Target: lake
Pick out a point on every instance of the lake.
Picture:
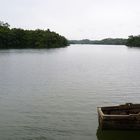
(53, 94)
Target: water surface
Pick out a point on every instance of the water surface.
(52, 94)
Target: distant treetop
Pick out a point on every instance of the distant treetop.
(3, 24)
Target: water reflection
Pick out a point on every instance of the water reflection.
(117, 135)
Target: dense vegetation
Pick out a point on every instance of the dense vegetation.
(133, 41)
(107, 41)
(20, 38)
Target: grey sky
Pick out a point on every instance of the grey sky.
(75, 19)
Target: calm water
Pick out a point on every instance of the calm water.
(53, 94)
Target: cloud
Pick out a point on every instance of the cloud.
(75, 19)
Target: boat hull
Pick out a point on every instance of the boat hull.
(120, 121)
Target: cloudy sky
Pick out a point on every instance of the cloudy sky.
(75, 19)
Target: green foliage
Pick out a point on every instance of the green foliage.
(20, 38)
(133, 41)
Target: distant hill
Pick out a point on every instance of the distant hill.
(107, 41)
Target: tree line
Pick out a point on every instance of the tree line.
(107, 41)
(20, 38)
(133, 41)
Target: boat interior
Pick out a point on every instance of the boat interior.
(126, 109)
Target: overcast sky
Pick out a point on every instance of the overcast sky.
(75, 19)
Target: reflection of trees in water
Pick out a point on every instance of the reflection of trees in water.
(117, 135)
